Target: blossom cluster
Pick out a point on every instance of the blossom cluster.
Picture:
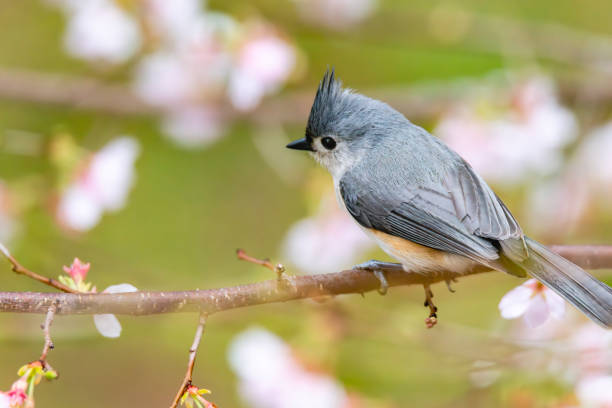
(21, 394)
(96, 183)
(508, 134)
(270, 376)
(566, 347)
(107, 324)
(189, 61)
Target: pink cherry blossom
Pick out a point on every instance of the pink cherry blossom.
(78, 270)
(595, 392)
(17, 395)
(271, 377)
(194, 126)
(592, 164)
(591, 347)
(508, 134)
(170, 20)
(99, 30)
(534, 301)
(263, 63)
(8, 224)
(327, 241)
(102, 186)
(336, 14)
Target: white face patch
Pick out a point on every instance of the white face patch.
(337, 160)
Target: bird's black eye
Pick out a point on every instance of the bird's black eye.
(328, 143)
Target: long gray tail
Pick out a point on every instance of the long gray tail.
(592, 297)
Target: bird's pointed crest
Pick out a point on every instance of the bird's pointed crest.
(328, 92)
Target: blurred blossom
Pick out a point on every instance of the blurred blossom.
(337, 14)
(271, 377)
(557, 206)
(195, 126)
(107, 324)
(326, 242)
(592, 346)
(534, 301)
(194, 61)
(103, 185)
(595, 392)
(484, 373)
(168, 19)
(8, 224)
(100, 30)
(592, 161)
(264, 62)
(217, 60)
(508, 136)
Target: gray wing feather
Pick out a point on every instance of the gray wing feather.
(461, 215)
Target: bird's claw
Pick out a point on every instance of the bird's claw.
(384, 285)
(370, 265)
(376, 268)
(432, 319)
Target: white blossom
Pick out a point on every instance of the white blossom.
(103, 186)
(263, 63)
(100, 30)
(507, 137)
(325, 242)
(336, 14)
(107, 324)
(8, 224)
(595, 392)
(270, 377)
(534, 301)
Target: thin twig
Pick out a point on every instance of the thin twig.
(279, 268)
(21, 270)
(47, 332)
(217, 300)
(192, 356)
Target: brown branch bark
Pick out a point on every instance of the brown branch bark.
(94, 95)
(216, 300)
(192, 356)
(21, 270)
(47, 333)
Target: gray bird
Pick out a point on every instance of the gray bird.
(424, 205)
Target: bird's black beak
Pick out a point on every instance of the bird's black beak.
(301, 144)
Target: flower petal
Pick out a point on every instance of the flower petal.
(595, 391)
(515, 302)
(107, 325)
(4, 400)
(537, 312)
(121, 288)
(556, 304)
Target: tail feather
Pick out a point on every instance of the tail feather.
(587, 293)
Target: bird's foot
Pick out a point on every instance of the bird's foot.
(432, 320)
(377, 267)
(448, 284)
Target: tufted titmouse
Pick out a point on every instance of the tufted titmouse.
(424, 205)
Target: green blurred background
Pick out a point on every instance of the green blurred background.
(190, 210)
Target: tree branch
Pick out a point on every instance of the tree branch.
(192, 356)
(21, 270)
(216, 300)
(47, 332)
